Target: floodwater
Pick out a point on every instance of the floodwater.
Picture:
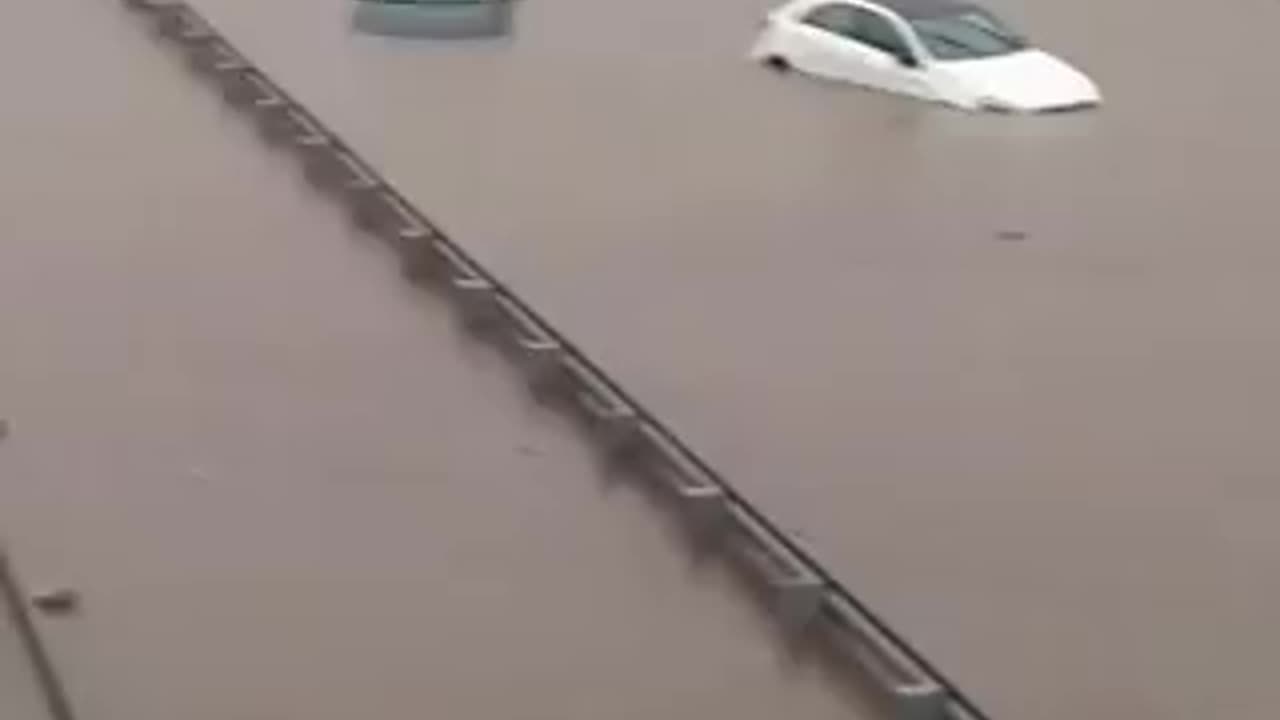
(282, 483)
(19, 694)
(1051, 462)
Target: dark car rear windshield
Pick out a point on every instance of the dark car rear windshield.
(966, 35)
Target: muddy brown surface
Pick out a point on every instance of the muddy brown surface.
(282, 484)
(1014, 378)
(19, 694)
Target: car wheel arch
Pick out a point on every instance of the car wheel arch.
(777, 62)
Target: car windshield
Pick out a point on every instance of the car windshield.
(967, 35)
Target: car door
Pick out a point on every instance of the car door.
(887, 61)
(822, 43)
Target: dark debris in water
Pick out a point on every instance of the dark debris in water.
(56, 601)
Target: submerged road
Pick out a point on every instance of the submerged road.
(283, 484)
(1050, 462)
(19, 692)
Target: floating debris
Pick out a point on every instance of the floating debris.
(1008, 235)
(56, 601)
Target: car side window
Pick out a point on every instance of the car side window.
(838, 18)
(874, 29)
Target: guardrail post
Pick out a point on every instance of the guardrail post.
(614, 424)
(375, 210)
(798, 594)
(239, 84)
(913, 694)
(420, 259)
(920, 701)
(202, 58)
(190, 31)
(703, 503)
(477, 302)
(616, 429)
(280, 122)
(273, 117)
(366, 206)
(541, 360)
(169, 18)
(799, 600)
(706, 508)
(230, 72)
(322, 164)
(198, 41)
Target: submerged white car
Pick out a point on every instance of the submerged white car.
(948, 51)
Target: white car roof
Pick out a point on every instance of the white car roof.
(908, 9)
(926, 8)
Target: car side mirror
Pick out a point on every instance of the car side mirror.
(907, 59)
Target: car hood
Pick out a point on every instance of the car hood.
(1027, 81)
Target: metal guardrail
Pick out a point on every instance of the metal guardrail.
(14, 599)
(805, 594)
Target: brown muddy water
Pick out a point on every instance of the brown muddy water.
(19, 694)
(1050, 462)
(283, 485)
